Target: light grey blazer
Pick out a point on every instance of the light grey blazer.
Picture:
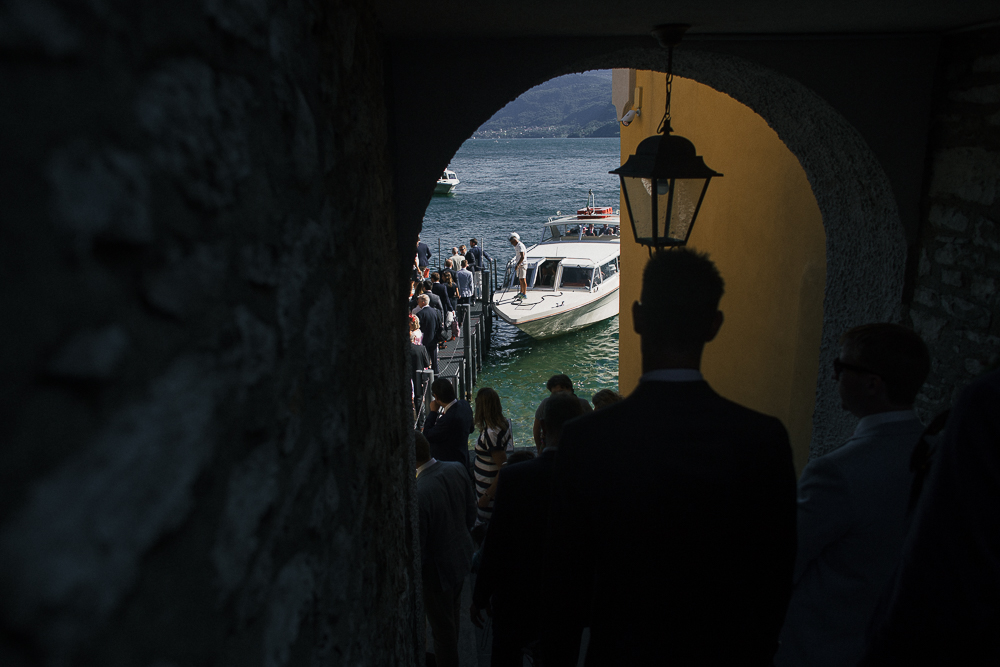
(447, 507)
(852, 521)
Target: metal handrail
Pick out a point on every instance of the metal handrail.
(420, 410)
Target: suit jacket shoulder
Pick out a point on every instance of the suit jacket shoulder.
(446, 504)
(852, 520)
(678, 481)
(515, 539)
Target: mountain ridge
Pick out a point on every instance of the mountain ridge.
(574, 105)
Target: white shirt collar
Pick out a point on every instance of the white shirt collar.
(426, 465)
(445, 408)
(867, 424)
(672, 375)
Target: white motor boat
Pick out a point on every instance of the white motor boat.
(446, 183)
(573, 275)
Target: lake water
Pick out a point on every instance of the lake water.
(514, 185)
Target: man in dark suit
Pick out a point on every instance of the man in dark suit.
(475, 255)
(450, 268)
(672, 530)
(449, 424)
(447, 506)
(417, 360)
(509, 582)
(439, 288)
(430, 327)
(435, 300)
(423, 258)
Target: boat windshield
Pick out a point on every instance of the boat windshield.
(609, 269)
(546, 274)
(577, 276)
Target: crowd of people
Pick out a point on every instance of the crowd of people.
(670, 523)
(594, 230)
(446, 433)
(433, 303)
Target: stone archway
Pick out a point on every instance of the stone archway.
(866, 248)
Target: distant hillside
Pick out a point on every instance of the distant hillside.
(575, 105)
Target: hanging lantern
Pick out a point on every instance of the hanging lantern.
(665, 182)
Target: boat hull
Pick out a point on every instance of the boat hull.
(562, 321)
(444, 188)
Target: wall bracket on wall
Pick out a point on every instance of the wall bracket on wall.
(665, 182)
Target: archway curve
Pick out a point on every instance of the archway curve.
(865, 244)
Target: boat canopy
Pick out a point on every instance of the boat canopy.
(573, 227)
(566, 272)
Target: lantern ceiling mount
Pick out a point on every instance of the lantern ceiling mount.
(665, 181)
(670, 34)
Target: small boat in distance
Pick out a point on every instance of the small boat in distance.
(446, 183)
(573, 275)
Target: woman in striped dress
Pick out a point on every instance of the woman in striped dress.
(495, 441)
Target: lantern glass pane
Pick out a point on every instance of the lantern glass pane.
(676, 207)
(640, 207)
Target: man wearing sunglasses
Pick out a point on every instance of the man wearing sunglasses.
(852, 502)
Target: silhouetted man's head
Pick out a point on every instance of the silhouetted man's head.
(881, 359)
(422, 447)
(559, 382)
(443, 390)
(605, 397)
(559, 409)
(679, 306)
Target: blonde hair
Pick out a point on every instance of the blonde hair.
(489, 412)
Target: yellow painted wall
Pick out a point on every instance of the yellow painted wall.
(761, 226)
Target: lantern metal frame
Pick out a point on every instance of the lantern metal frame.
(660, 161)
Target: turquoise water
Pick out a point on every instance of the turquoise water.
(515, 185)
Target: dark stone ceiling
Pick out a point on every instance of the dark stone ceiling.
(511, 18)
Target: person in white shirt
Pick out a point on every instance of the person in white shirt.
(520, 264)
(456, 258)
(852, 502)
(465, 286)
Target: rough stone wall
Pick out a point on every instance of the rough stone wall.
(955, 302)
(204, 453)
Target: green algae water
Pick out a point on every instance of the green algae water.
(514, 185)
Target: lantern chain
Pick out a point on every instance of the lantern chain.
(664, 127)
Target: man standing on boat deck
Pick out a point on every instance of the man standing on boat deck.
(520, 265)
(672, 524)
